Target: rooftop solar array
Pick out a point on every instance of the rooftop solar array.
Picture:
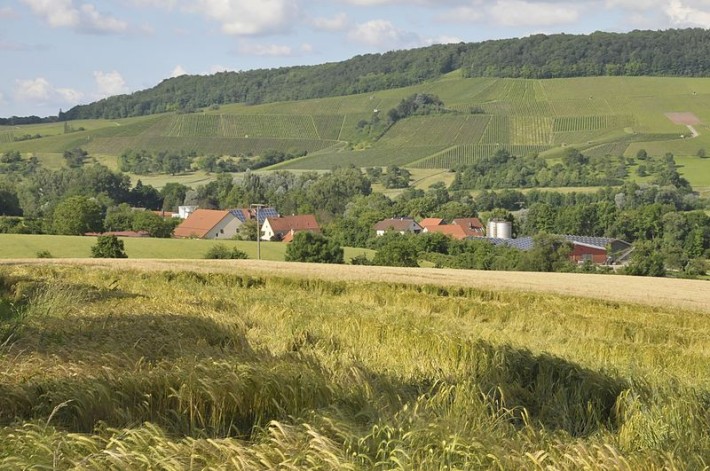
(521, 243)
(267, 213)
(263, 214)
(593, 241)
(239, 214)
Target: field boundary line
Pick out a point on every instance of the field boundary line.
(667, 294)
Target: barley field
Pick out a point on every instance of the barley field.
(201, 365)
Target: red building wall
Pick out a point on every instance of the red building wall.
(582, 252)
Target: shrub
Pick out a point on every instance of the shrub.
(44, 254)
(360, 260)
(397, 251)
(108, 247)
(222, 252)
(314, 248)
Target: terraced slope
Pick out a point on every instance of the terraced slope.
(600, 115)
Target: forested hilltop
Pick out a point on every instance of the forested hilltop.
(683, 52)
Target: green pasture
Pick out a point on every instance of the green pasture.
(27, 246)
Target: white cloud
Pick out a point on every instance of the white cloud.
(250, 17)
(40, 91)
(526, 13)
(274, 50)
(682, 14)
(95, 22)
(56, 13)
(383, 34)
(337, 23)
(84, 18)
(109, 83)
(178, 71)
(442, 40)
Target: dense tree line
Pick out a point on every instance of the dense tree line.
(503, 170)
(143, 162)
(684, 52)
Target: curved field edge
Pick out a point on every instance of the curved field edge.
(180, 369)
(658, 292)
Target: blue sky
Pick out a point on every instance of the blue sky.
(59, 53)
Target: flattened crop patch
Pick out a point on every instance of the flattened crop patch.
(684, 118)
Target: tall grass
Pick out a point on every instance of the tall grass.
(180, 370)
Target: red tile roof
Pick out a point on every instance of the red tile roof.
(199, 223)
(431, 222)
(453, 230)
(473, 226)
(302, 222)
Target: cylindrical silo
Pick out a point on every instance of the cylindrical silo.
(504, 229)
(500, 229)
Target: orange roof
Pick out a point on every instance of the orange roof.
(473, 226)
(453, 230)
(302, 222)
(199, 223)
(431, 222)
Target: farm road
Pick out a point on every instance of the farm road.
(662, 292)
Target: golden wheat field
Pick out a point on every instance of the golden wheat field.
(203, 365)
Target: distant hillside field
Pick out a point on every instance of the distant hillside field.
(599, 115)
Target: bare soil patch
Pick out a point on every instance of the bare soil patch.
(684, 118)
(661, 292)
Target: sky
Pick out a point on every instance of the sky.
(59, 53)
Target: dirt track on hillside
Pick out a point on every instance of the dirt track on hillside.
(688, 294)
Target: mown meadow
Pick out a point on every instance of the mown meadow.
(107, 368)
(59, 246)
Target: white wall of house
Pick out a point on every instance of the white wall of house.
(185, 211)
(266, 231)
(225, 229)
(412, 228)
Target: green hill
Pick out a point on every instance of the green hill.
(599, 115)
(638, 53)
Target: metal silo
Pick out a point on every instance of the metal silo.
(500, 229)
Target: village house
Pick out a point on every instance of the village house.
(219, 224)
(208, 224)
(402, 225)
(459, 229)
(427, 222)
(284, 228)
(473, 227)
(451, 230)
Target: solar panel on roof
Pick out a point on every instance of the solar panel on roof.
(267, 213)
(239, 214)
